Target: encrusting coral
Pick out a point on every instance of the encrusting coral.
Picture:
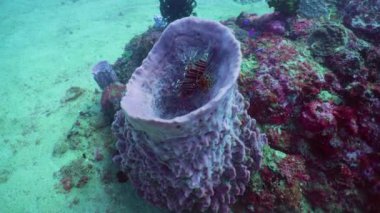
(190, 144)
(363, 17)
(313, 8)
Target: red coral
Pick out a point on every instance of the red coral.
(332, 82)
(292, 197)
(267, 175)
(67, 183)
(293, 168)
(306, 83)
(346, 64)
(369, 130)
(372, 61)
(344, 177)
(280, 139)
(261, 201)
(300, 28)
(346, 117)
(273, 51)
(269, 102)
(354, 93)
(320, 125)
(317, 118)
(317, 197)
(111, 97)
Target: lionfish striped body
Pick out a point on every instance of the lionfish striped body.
(197, 76)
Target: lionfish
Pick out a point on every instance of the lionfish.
(197, 75)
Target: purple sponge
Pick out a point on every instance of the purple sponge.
(184, 136)
(104, 75)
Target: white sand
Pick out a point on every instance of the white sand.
(45, 48)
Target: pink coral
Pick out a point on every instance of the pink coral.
(293, 168)
(111, 97)
(269, 100)
(318, 119)
(347, 118)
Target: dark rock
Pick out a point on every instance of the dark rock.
(326, 39)
(346, 64)
(122, 177)
(363, 17)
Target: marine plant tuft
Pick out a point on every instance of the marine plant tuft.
(172, 10)
(285, 7)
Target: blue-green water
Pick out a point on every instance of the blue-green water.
(309, 76)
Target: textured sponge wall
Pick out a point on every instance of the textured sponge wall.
(198, 161)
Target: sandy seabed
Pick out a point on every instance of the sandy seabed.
(46, 48)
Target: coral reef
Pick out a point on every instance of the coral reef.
(341, 51)
(87, 151)
(315, 92)
(190, 144)
(268, 23)
(326, 39)
(76, 174)
(81, 136)
(314, 88)
(300, 28)
(313, 8)
(172, 10)
(319, 124)
(363, 17)
(106, 78)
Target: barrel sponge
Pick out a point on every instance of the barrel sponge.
(192, 153)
